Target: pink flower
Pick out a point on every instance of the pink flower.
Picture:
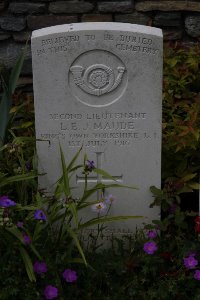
(150, 247)
(110, 199)
(197, 275)
(6, 202)
(70, 275)
(190, 262)
(50, 292)
(99, 208)
(40, 215)
(26, 239)
(152, 234)
(40, 267)
(20, 224)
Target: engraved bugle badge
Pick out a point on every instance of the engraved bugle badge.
(97, 79)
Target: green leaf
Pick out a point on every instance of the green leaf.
(65, 176)
(27, 207)
(76, 261)
(16, 71)
(73, 210)
(6, 101)
(185, 189)
(15, 232)
(172, 62)
(106, 220)
(155, 191)
(22, 139)
(23, 125)
(181, 168)
(77, 243)
(35, 251)
(16, 178)
(28, 264)
(101, 186)
(188, 177)
(104, 173)
(194, 185)
(74, 160)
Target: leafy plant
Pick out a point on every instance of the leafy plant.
(41, 249)
(6, 101)
(48, 228)
(181, 122)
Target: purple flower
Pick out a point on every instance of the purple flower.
(99, 208)
(190, 262)
(40, 267)
(39, 215)
(20, 224)
(110, 199)
(197, 275)
(26, 239)
(70, 275)
(90, 165)
(28, 166)
(50, 292)
(6, 202)
(152, 234)
(150, 247)
(173, 208)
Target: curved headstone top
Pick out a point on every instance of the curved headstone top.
(97, 26)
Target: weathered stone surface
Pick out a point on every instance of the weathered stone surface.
(134, 18)
(116, 6)
(172, 34)
(37, 22)
(22, 36)
(4, 35)
(70, 7)
(26, 8)
(10, 51)
(167, 19)
(2, 5)
(98, 85)
(192, 25)
(96, 18)
(166, 5)
(36, 1)
(12, 23)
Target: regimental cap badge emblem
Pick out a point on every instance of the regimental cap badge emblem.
(97, 79)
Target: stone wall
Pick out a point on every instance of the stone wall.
(180, 20)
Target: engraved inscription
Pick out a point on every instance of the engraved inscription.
(60, 40)
(90, 37)
(94, 130)
(132, 43)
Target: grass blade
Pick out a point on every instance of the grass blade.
(5, 181)
(77, 243)
(65, 176)
(6, 101)
(104, 174)
(28, 264)
(69, 167)
(106, 220)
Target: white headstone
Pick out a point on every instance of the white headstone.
(99, 85)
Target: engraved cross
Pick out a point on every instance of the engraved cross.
(99, 178)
